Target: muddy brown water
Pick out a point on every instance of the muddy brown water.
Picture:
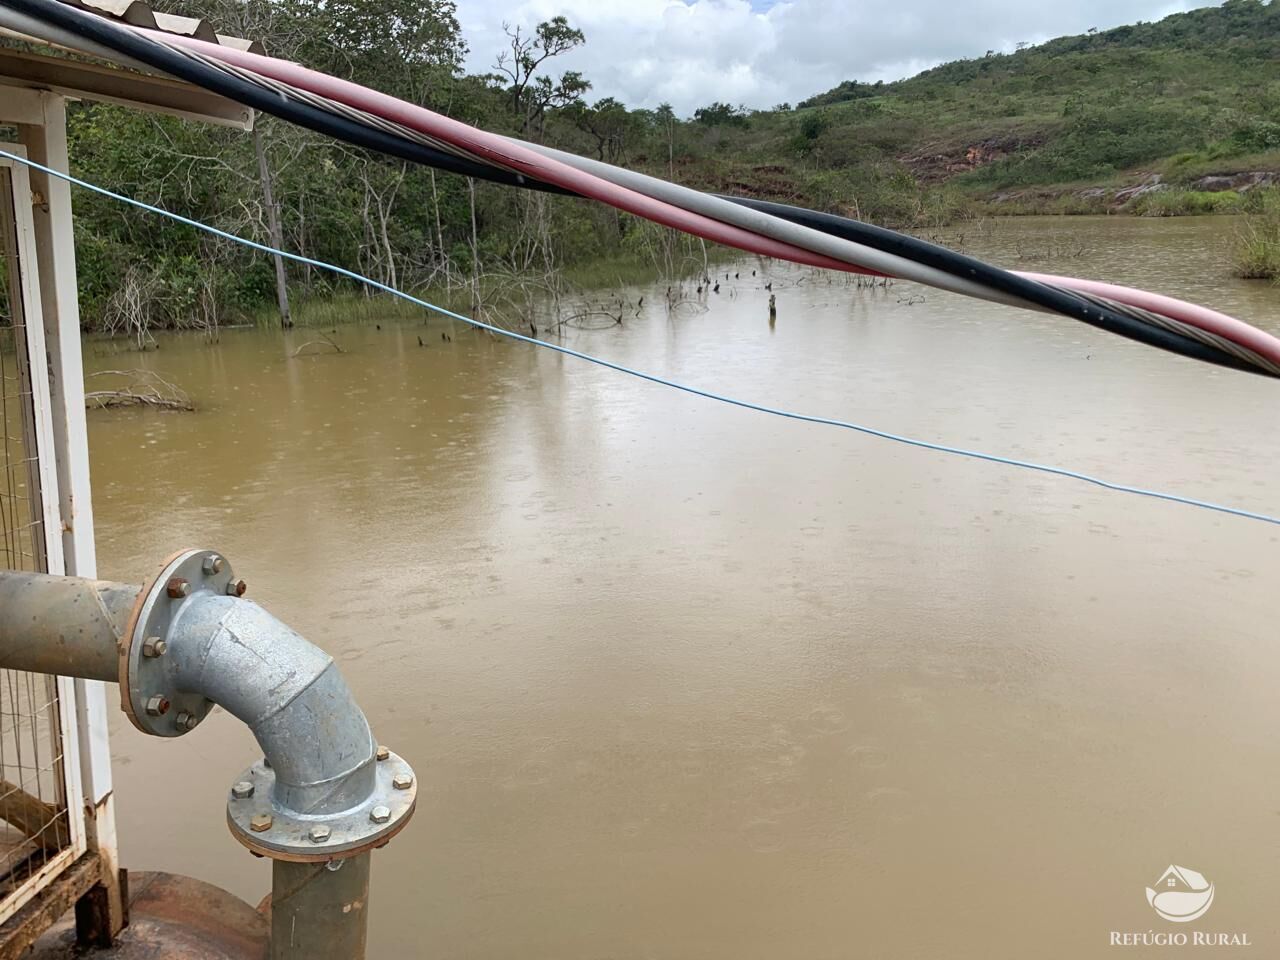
(683, 680)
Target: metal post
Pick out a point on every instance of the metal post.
(320, 911)
(44, 134)
(54, 721)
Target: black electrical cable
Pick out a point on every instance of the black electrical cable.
(175, 63)
(1053, 298)
(160, 57)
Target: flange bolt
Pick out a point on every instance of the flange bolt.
(236, 588)
(402, 781)
(382, 753)
(211, 566)
(261, 823)
(154, 647)
(242, 790)
(380, 814)
(319, 833)
(178, 588)
(157, 706)
(186, 721)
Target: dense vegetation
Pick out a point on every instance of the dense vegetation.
(1194, 95)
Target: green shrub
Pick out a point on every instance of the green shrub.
(1186, 203)
(1255, 252)
(1256, 136)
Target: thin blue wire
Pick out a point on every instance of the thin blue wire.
(653, 378)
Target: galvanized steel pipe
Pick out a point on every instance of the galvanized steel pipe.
(63, 625)
(224, 648)
(319, 909)
(325, 794)
(287, 691)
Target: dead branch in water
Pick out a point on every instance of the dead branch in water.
(143, 388)
(322, 342)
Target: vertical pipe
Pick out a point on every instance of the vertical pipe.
(320, 913)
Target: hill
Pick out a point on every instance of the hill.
(1193, 96)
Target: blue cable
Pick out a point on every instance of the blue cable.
(652, 378)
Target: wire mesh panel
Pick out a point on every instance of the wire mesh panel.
(35, 827)
(33, 803)
(21, 526)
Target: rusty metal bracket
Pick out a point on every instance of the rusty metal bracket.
(22, 929)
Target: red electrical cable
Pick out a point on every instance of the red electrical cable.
(511, 155)
(503, 152)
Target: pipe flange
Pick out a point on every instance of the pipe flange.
(148, 690)
(271, 831)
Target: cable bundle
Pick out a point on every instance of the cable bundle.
(366, 118)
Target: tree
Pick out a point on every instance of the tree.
(721, 115)
(533, 95)
(609, 123)
(408, 48)
(668, 124)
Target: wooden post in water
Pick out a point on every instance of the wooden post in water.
(273, 229)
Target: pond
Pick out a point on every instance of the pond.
(685, 680)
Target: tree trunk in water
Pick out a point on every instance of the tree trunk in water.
(273, 229)
(444, 258)
(475, 254)
(302, 242)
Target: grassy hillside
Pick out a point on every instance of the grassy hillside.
(1173, 102)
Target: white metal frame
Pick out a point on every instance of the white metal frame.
(33, 96)
(46, 452)
(46, 143)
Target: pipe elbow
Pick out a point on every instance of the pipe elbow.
(185, 641)
(289, 693)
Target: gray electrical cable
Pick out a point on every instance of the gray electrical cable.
(30, 27)
(778, 229)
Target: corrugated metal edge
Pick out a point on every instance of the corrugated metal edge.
(139, 14)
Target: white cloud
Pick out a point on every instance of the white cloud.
(692, 53)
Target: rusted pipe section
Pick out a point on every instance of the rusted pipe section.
(63, 625)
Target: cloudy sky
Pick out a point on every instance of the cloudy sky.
(764, 52)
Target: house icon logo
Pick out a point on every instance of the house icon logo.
(1181, 895)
